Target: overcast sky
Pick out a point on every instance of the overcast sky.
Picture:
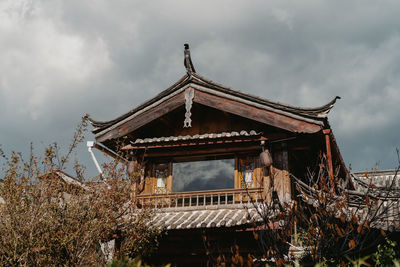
(62, 59)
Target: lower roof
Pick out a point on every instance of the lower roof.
(228, 216)
(383, 213)
(209, 137)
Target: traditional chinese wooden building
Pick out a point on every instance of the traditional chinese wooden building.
(208, 153)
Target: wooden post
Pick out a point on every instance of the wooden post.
(327, 133)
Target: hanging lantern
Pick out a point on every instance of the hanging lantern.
(265, 158)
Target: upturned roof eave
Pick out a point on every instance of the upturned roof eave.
(101, 125)
(317, 112)
(317, 116)
(313, 115)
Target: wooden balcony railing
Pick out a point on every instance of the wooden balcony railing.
(202, 198)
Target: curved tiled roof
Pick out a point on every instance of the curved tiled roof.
(195, 137)
(386, 180)
(205, 218)
(317, 113)
(382, 213)
(193, 78)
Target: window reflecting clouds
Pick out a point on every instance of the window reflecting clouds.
(203, 175)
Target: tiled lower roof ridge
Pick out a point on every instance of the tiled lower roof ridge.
(196, 137)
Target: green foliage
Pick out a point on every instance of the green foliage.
(386, 253)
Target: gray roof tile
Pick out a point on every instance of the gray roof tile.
(204, 218)
(194, 137)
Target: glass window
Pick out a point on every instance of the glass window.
(203, 175)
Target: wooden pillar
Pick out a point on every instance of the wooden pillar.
(327, 133)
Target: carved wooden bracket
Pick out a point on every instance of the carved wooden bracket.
(189, 95)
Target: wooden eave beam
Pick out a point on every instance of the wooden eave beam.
(254, 113)
(336, 150)
(105, 151)
(204, 150)
(218, 102)
(144, 118)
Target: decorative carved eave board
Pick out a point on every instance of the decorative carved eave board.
(192, 93)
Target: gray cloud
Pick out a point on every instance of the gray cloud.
(62, 59)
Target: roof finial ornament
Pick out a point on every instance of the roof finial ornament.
(188, 61)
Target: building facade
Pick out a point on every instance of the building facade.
(210, 156)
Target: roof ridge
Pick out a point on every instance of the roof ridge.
(193, 77)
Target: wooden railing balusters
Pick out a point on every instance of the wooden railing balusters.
(199, 198)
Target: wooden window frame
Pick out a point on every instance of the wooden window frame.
(256, 171)
(167, 169)
(247, 158)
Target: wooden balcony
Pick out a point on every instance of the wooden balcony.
(205, 199)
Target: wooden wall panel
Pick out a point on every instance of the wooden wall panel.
(151, 181)
(237, 173)
(257, 173)
(148, 183)
(267, 185)
(204, 120)
(257, 114)
(169, 179)
(280, 173)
